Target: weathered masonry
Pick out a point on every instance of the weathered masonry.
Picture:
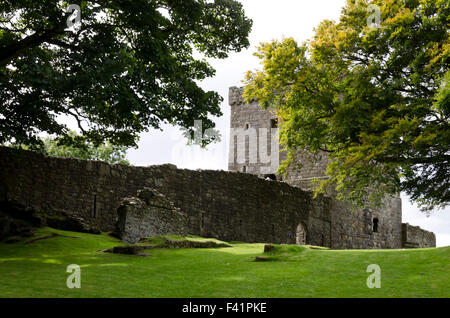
(226, 205)
(350, 227)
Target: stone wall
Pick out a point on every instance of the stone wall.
(251, 130)
(415, 237)
(353, 228)
(225, 205)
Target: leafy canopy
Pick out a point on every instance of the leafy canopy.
(376, 100)
(131, 65)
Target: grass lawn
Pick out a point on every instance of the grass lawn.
(38, 269)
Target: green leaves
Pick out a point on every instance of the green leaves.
(129, 68)
(375, 99)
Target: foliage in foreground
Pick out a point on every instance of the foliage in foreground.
(128, 65)
(38, 269)
(375, 99)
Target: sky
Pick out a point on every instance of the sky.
(272, 19)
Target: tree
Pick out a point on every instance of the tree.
(104, 152)
(130, 65)
(375, 99)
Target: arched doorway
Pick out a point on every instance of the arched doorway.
(300, 237)
(375, 225)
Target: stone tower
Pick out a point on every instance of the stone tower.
(254, 135)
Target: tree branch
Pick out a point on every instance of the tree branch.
(11, 51)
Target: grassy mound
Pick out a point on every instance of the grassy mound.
(37, 268)
(167, 241)
(177, 241)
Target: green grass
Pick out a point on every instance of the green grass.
(160, 241)
(38, 269)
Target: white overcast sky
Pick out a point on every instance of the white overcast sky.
(272, 19)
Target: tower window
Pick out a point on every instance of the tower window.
(247, 126)
(244, 169)
(274, 123)
(375, 225)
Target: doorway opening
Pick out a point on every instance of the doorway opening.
(300, 234)
(375, 225)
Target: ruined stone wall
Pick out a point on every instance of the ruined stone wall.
(225, 205)
(415, 237)
(249, 119)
